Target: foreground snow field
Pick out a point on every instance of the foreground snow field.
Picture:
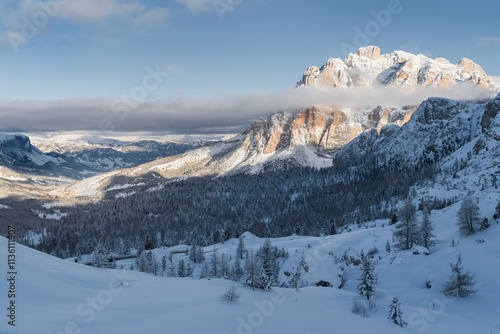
(58, 296)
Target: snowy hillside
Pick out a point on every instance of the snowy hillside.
(113, 301)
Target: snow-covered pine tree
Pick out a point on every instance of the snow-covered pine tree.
(333, 227)
(149, 262)
(388, 246)
(497, 212)
(426, 228)
(240, 250)
(189, 270)
(215, 270)
(366, 286)
(296, 278)
(395, 314)
(394, 219)
(163, 265)
(224, 266)
(461, 282)
(181, 269)
(253, 271)
(140, 262)
(237, 271)
(204, 271)
(406, 231)
(468, 217)
(267, 260)
(171, 272)
(192, 251)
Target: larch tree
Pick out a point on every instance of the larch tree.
(426, 229)
(468, 217)
(240, 250)
(406, 231)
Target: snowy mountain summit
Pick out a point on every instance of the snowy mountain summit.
(369, 68)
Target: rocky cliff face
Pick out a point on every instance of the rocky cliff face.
(369, 68)
(324, 128)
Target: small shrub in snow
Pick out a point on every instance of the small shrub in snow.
(372, 252)
(363, 308)
(485, 224)
(359, 307)
(231, 295)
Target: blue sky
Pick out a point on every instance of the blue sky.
(102, 48)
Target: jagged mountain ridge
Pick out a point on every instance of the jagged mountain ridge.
(369, 68)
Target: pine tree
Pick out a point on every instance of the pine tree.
(253, 271)
(395, 314)
(237, 272)
(204, 271)
(215, 270)
(189, 270)
(497, 212)
(140, 262)
(394, 219)
(367, 279)
(181, 270)
(388, 246)
(224, 266)
(461, 282)
(267, 260)
(295, 281)
(406, 231)
(240, 250)
(426, 228)
(163, 264)
(333, 227)
(192, 251)
(468, 217)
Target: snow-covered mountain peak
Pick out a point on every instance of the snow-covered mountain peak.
(17, 150)
(368, 67)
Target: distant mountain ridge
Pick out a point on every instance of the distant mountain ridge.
(17, 150)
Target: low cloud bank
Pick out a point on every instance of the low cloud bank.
(228, 114)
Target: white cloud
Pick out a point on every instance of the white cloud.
(496, 80)
(217, 115)
(196, 6)
(14, 14)
(488, 40)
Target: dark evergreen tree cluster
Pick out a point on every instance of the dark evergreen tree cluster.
(204, 211)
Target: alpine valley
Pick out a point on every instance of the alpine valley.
(308, 200)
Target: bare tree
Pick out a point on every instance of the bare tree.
(468, 217)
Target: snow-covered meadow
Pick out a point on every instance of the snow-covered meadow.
(60, 296)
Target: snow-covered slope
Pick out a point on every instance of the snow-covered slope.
(369, 68)
(463, 138)
(57, 296)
